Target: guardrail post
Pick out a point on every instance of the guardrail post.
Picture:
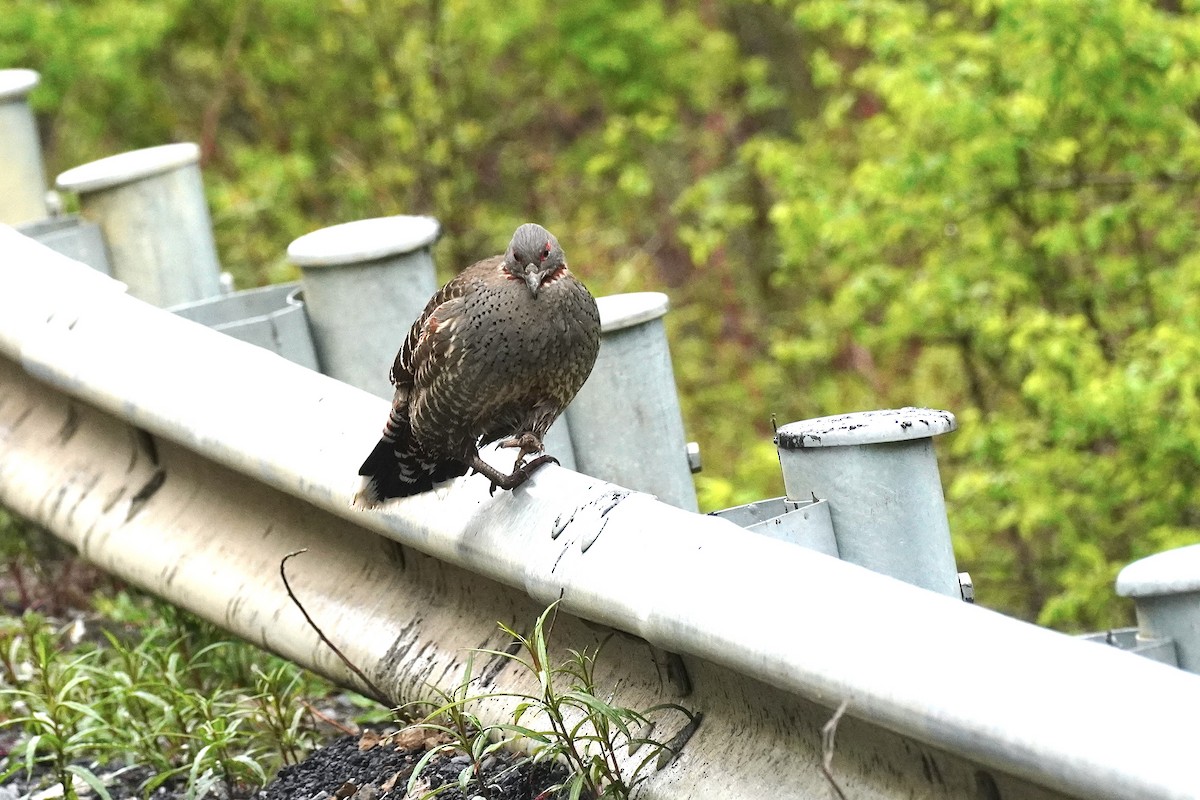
(878, 471)
(626, 425)
(150, 206)
(1166, 590)
(271, 317)
(22, 179)
(365, 282)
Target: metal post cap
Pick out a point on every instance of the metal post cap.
(1172, 572)
(364, 240)
(865, 427)
(128, 167)
(619, 311)
(16, 83)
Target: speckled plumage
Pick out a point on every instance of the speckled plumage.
(499, 352)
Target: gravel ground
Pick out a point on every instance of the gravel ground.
(367, 767)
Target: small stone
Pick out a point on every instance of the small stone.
(397, 777)
(368, 792)
(410, 738)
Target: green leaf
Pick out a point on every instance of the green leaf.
(90, 778)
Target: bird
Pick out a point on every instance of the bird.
(496, 355)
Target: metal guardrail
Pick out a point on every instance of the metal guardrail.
(177, 519)
(189, 463)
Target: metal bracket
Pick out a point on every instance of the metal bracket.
(803, 522)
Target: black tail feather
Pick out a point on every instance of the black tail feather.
(396, 470)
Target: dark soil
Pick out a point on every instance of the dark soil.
(381, 771)
(122, 783)
(351, 768)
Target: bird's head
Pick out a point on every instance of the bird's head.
(535, 257)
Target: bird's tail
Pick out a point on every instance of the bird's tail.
(398, 468)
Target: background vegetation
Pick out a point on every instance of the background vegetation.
(987, 206)
(107, 693)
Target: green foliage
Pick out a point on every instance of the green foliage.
(462, 732)
(566, 722)
(986, 206)
(53, 701)
(189, 706)
(989, 206)
(584, 730)
(335, 111)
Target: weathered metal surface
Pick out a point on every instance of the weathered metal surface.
(365, 282)
(72, 236)
(210, 539)
(151, 208)
(271, 317)
(879, 473)
(1166, 589)
(22, 179)
(803, 522)
(945, 699)
(1129, 640)
(625, 422)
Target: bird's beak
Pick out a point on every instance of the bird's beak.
(534, 281)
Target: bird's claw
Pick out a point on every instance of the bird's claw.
(526, 441)
(528, 444)
(521, 473)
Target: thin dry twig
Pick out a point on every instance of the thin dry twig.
(375, 690)
(828, 735)
(330, 721)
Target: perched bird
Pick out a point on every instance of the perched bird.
(498, 353)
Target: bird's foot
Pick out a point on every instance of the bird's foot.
(509, 482)
(529, 444)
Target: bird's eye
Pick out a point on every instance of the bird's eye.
(545, 251)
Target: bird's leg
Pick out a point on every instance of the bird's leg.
(529, 444)
(519, 475)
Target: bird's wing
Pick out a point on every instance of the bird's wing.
(412, 355)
